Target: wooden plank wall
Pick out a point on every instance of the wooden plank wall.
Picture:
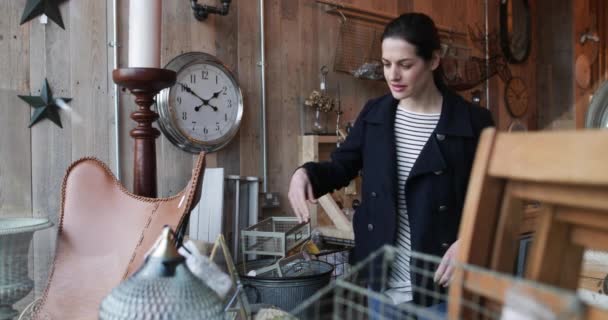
(77, 62)
(523, 70)
(300, 38)
(15, 170)
(588, 16)
(457, 17)
(563, 103)
(553, 70)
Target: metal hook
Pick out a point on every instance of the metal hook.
(324, 72)
(201, 12)
(336, 8)
(341, 14)
(589, 36)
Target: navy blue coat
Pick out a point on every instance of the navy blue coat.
(435, 189)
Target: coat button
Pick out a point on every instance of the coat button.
(443, 208)
(438, 172)
(445, 245)
(373, 194)
(370, 227)
(440, 137)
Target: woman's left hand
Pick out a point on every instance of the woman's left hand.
(444, 272)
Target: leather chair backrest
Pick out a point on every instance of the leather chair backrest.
(104, 234)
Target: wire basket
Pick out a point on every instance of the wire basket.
(274, 236)
(337, 253)
(486, 294)
(358, 49)
(338, 259)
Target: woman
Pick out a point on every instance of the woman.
(415, 148)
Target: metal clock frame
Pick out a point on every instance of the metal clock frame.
(166, 119)
(505, 40)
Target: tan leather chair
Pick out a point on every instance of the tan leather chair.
(103, 235)
(566, 172)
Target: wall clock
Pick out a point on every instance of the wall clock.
(516, 96)
(515, 29)
(203, 110)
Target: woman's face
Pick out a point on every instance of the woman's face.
(406, 74)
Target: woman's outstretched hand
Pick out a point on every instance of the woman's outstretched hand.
(300, 192)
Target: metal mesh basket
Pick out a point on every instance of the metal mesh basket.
(359, 48)
(274, 236)
(338, 259)
(486, 294)
(336, 252)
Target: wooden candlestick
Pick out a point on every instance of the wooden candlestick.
(144, 84)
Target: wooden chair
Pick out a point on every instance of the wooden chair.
(568, 173)
(103, 236)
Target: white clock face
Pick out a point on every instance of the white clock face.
(204, 103)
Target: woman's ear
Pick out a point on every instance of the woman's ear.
(435, 60)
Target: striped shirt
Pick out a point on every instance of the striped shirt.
(412, 131)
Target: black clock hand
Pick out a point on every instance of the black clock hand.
(214, 107)
(185, 87)
(205, 103)
(215, 95)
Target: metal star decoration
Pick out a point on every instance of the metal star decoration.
(44, 105)
(50, 8)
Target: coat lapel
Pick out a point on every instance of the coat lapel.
(382, 118)
(430, 159)
(453, 121)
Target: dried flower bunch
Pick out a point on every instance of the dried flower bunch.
(320, 101)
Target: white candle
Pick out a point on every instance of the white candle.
(144, 33)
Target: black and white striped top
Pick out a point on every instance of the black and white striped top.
(412, 131)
